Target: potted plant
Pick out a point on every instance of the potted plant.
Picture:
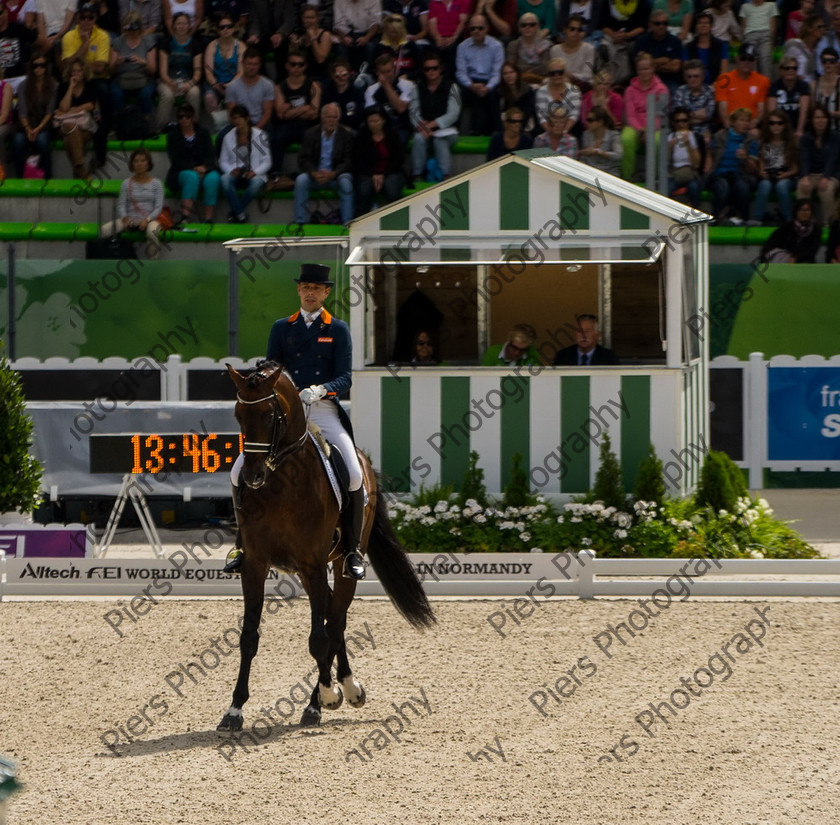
(20, 473)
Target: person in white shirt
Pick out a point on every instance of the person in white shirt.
(245, 161)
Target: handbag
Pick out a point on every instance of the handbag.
(70, 121)
(165, 219)
(32, 168)
(132, 80)
(683, 174)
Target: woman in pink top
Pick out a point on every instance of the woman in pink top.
(602, 95)
(641, 87)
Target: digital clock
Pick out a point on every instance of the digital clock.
(164, 452)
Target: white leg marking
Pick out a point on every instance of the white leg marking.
(330, 696)
(354, 691)
(232, 711)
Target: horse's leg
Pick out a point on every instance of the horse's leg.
(325, 694)
(342, 598)
(253, 592)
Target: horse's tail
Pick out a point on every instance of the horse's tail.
(394, 570)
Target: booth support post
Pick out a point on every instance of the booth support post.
(233, 303)
(10, 328)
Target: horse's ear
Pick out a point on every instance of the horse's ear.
(237, 379)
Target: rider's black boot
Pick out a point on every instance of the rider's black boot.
(354, 567)
(236, 554)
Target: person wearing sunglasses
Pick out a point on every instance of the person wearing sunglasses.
(742, 88)
(517, 350)
(778, 166)
(579, 55)
(791, 95)
(313, 41)
(222, 63)
(712, 52)
(529, 52)
(803, 49)
(512, 137)
(395, 42)
(556, 137)
(557, 91)
(665, 49)
(825, 90)
(36, 104)
(601, 143)
(424, 351)
(478, 61)
(684, 158)
(297, 105)
(697, 98)
(680, 15)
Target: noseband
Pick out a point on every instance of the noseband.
(274, 453)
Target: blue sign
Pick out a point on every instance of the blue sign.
(803, 414)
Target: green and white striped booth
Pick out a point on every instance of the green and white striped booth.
(530, 237)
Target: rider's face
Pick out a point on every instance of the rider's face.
(312, 296)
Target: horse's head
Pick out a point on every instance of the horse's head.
(271, 417)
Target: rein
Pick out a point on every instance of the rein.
(274, 454)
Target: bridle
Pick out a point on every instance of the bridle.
(274, 453)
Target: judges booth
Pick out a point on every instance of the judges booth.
(538, 239)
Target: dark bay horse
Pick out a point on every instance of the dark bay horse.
(288, 520)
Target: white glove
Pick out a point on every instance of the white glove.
(312, 394)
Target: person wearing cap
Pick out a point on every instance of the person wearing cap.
(315, 349)
(742, 88)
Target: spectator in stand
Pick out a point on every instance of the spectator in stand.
(514, 91)
(791, 95)
(53, 20)
(270, 23)
(350, 98)
(589, 12)
(665, 49)
(742, 88)
(796, 241)
(558, 91)
(36, 104)
(601, 143)
(356, 26)
(133, 68)
(192, 165)
(297, 104)
(697, 98)
(602, 95)
(236, 10)
(819, 155)
(778, 165)
(680, 14)
(588, 350)
(378, 163)
(139, 203)
(23, 12)
(92, 45)
(416, 16)
(831, 37)
(501, 17)
(434, 112)
(795, 18)
(724, 25)
(518, 349)
(326, 159)
(425, 352)
(180, 68)
(622, 23)
(395, 42)
(252, 90)
(194, 9)
(447, 21)
(245, 160)
(803, 50)
(149, 11)
(529, 52)
(393, 94)
(512, 138)
(759, 19)
(479, 61)
(825, 90)
(581, 59)
(6, 98)
(712, 52)
(641, 87)
(222, 63)
(556, 137)
(732, 170)
(74, 114)
(684, 157)
(313, 41)
(546, 12)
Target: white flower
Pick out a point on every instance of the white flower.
(479, 518)
(586, 542)
(576, 519)
(454, 531)
(442, 506)
(536, 550)
(756, 554)
(426, 521)
(620, 534)
(525, 536)
(472, 504)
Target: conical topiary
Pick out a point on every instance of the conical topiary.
(609, 482)
(650, 485)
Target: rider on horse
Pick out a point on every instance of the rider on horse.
(316, 350)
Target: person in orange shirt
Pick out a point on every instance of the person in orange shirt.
(742, 88)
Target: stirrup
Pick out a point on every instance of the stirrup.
(233, 561)
(353, 567)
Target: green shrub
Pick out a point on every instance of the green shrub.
(20, 473)
(518, 492)
(650, 486)
(715, 489)
(609, 483)
(473, 485)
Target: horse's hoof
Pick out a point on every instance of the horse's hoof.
(359, 701)
(230, 722)
(331, 698)
(311, 718)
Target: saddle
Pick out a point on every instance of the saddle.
(334, 465)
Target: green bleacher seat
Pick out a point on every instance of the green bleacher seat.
(22, 187)
(15, 230)
(87, 231)
(220, 232)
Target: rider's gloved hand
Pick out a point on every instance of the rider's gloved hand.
(310, 395)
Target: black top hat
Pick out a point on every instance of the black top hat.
(314, 274)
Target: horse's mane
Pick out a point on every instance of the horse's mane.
(264, 371)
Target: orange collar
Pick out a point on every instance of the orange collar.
(325, 316)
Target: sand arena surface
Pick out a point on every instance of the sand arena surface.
(758, 747)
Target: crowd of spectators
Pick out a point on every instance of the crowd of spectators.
(376, 92)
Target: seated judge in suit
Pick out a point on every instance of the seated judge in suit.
(587, 351)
